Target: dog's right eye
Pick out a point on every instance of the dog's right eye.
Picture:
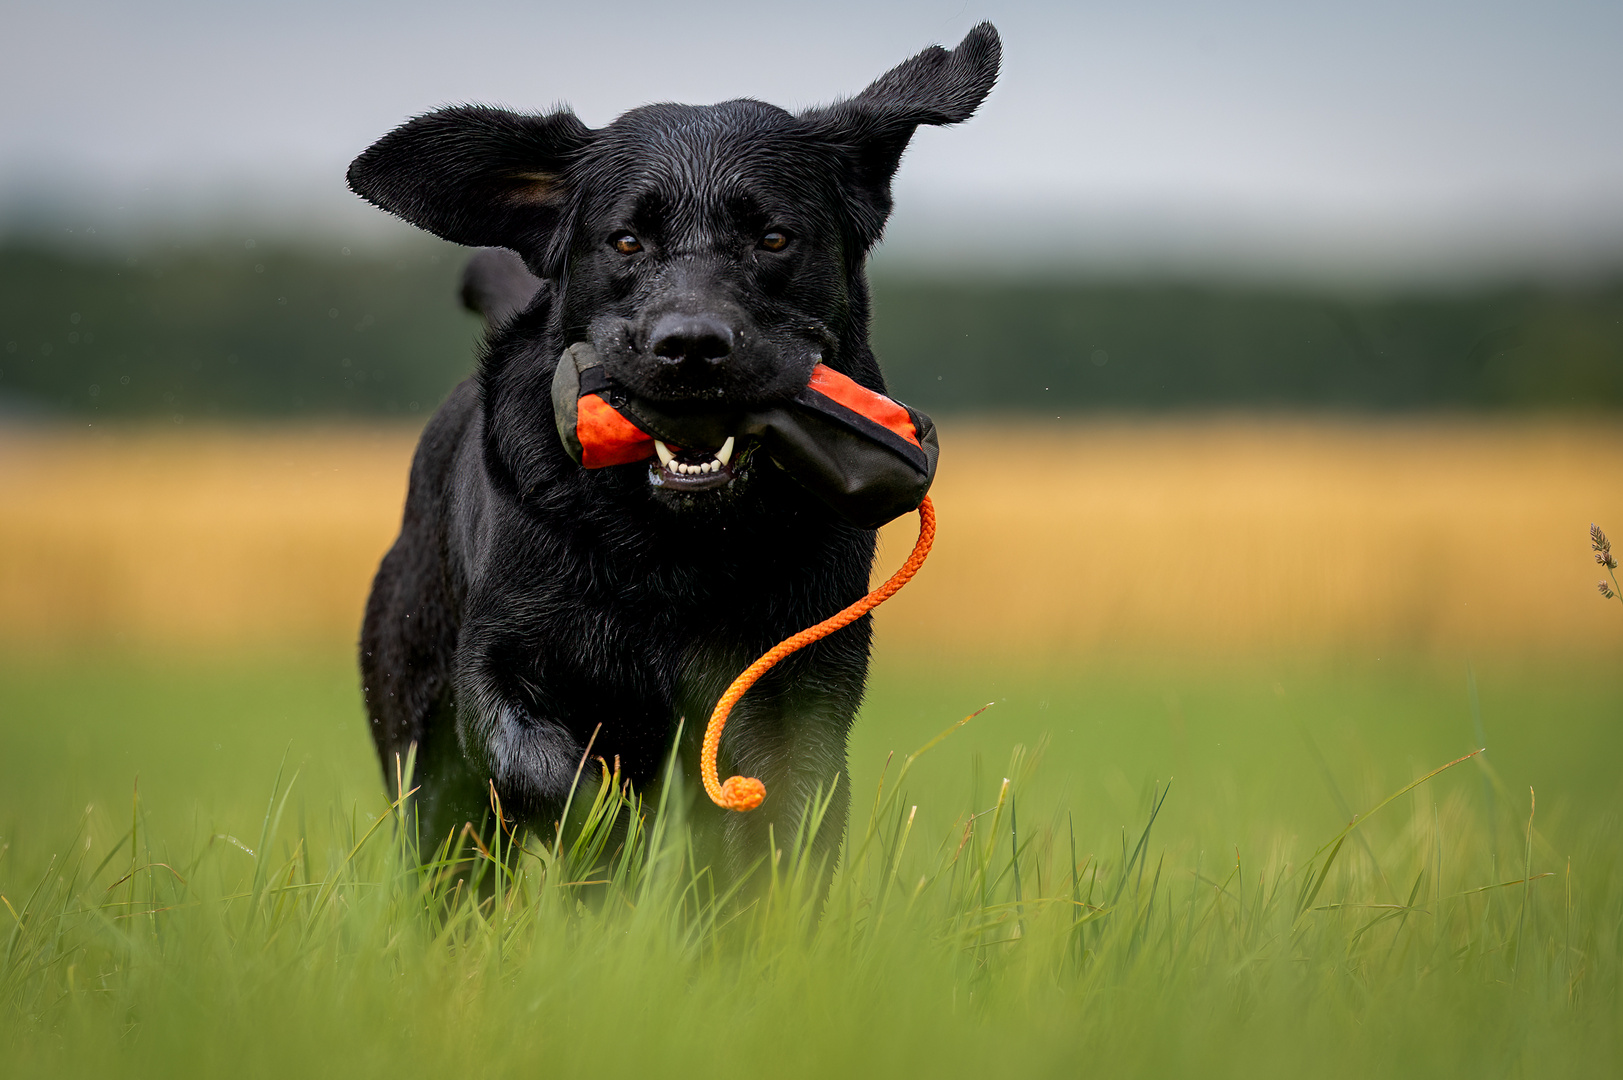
(626, 244)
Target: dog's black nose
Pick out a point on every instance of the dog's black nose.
(695, 339)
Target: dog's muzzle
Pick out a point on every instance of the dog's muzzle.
(869, 458)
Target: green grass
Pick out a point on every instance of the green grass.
(1229, 925)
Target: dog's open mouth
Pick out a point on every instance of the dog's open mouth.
(695, 469)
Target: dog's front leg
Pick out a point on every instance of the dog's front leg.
(506, 732)
(794, 742)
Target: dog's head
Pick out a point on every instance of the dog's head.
(712, 255)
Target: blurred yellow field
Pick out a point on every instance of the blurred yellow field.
(1213, 536)
(1232, 535)
(224, 537)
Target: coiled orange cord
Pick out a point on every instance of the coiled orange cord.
(746, 792)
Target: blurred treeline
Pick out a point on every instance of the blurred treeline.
(236, 328)
(239, 328)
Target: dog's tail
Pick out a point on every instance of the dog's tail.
(497, 285)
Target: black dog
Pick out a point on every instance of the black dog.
(711, 255)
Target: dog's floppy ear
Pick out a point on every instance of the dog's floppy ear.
(935, 87)
(476, 175)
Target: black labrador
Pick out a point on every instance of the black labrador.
(709, 254)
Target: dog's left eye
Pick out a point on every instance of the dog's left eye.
(626, 244)
(775, 241)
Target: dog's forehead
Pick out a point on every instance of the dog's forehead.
(694, 151)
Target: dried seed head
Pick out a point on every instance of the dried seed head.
(1597, 539)
(1606, 559)
(1606, 590)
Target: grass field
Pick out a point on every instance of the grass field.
(1303, 661)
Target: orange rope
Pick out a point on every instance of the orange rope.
(746, 792)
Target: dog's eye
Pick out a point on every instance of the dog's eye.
(626, 244)
(775, 241)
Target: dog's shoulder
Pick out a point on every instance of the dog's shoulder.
(434, 462)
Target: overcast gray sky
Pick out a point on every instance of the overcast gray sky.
(1402, 134)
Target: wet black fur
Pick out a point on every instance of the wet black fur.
(528, 600)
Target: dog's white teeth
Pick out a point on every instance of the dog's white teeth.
(717, 462)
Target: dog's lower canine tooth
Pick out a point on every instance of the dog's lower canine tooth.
(725, 454)
(664, 453)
